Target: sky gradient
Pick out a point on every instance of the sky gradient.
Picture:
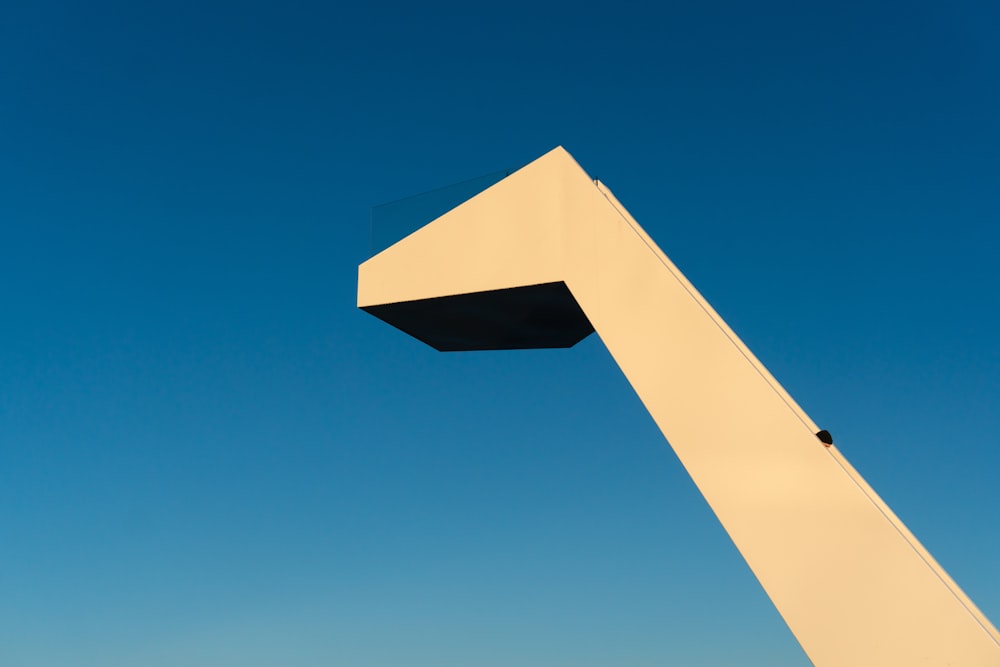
(209, 456)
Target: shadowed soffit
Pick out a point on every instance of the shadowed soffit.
(536, 316)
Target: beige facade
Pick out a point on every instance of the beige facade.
(546, 254)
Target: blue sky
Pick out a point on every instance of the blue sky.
(208, 456)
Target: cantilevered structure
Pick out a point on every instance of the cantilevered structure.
(548, 255)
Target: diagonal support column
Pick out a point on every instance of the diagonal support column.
(546, 255)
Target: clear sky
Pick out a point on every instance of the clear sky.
(209, 457)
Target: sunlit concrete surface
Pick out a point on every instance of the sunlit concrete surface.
(547, 255)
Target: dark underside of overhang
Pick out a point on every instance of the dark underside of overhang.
(536, 316)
